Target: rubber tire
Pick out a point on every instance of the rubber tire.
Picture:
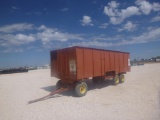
(59, 84)
(121, 78)
(78, 88)
(116, 80)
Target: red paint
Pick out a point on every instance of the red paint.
(78, 63)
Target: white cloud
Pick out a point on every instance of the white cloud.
(145, 7)
(64, 9)
(37, 13)
(152, 35)
(47, 35)
(9, 50)
(104, 37)
(111, 9)
(155, 19)
(42, 27)
(149, 36)
(44, 34)
(15, 40)
(129, 26)
(117, 15)
(15, 8)
(86, 21)
(156, 6)
(93, 44)
(129, 11)
(104, 25)
(16, 27)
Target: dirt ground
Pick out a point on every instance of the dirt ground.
(138, 98)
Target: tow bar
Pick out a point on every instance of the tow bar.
(57, 91)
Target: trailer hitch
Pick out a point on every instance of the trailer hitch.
(57, 91)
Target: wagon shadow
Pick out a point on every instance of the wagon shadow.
(100, 85)
(91, 86)
(51, 88)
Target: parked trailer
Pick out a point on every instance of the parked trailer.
(75, 64)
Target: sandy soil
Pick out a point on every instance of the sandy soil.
(138, 98)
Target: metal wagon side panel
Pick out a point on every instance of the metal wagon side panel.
(126, 62)
(96, 62)
(84, 63)
(102, 63)
(71, 64)
(80, 65)
(112, 61)
(88, 63)
(121, 61)
(107, 61)
(116, 62)
(63, 64)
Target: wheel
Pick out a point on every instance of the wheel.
(116, 80)
(81, 89)
(121, 78)
(59, 84)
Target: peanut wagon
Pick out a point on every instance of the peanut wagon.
(75, 64)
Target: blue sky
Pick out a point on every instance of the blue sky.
(29, 29)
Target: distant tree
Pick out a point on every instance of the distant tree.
(158, 57)
(135, 60)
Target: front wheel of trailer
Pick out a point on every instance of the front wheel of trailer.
(81, 89)
(59, 84)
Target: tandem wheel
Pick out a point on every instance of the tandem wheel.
(116, 80)
(81, 89)
(121, 78)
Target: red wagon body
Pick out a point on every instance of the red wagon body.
(79, 63)
(75, 64)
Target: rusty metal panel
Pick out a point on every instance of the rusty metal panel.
(61, 66)
(88, 63)
(102, 63)
(71, 52)
(96, 62)
(116, 60)
(112, 59)
(79, 54)
(125, 62)
(107, 61)
(64, 61)
(121, 61)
